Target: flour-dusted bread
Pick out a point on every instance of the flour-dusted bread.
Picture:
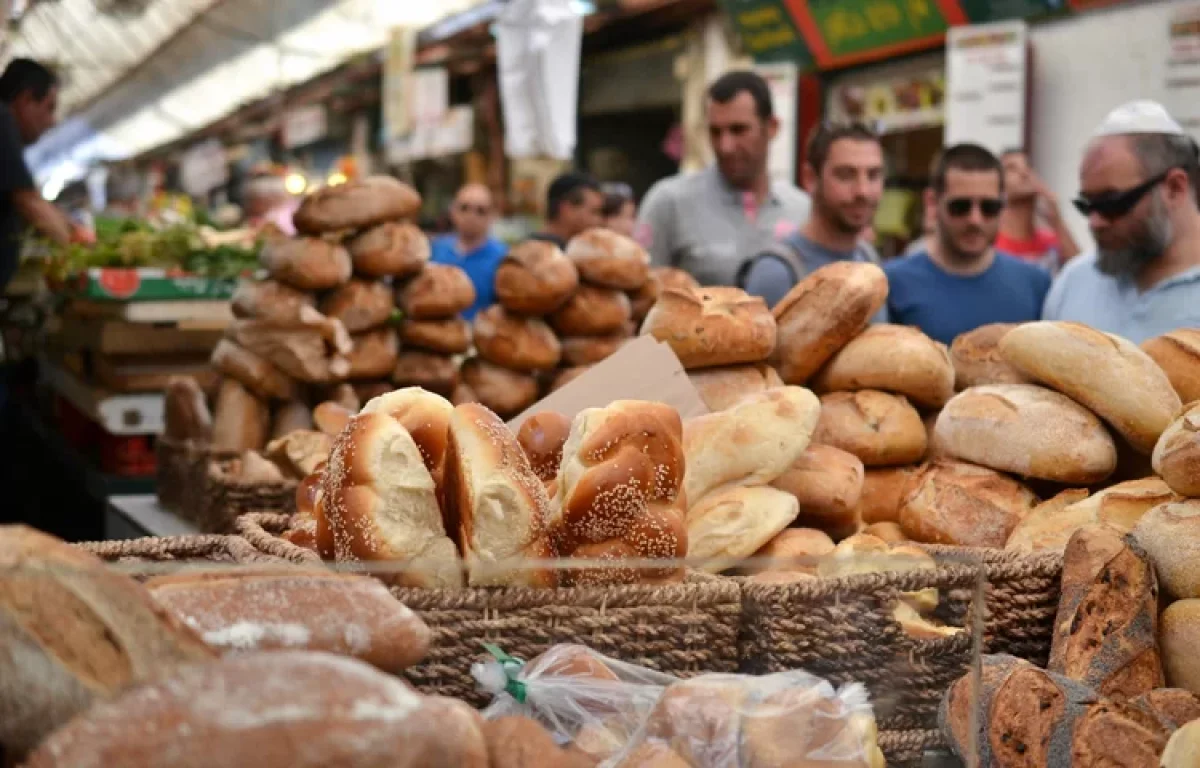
(883, 493)
(881, 429)
(313, 353)
(289, 709)
(74, 632)
(1176, 457)
(357, 204)
(425, 416)
(296, 609)
(428, 370)
(952, 502)
(822, 313)
(1180, 637)
(977, 359)
(827, 483)
(1170, 534)
(1029, 431)
(723, 386)
(360, 305)
(515, 341)
(619, 493)
(892, 358)
(726, 527)
(496, 507)
(437, 292)
(592, 311)
(392, 249)
(715, 325)
(1171, 707)
(752, 443)
(609, 259)
(380, 504)
(270, 300)
(307, 263)
(1105, 632)
(1178, 354)
(374, 355)
(450, 336)
(1122, 505)
(1107, 374)
(535, 278)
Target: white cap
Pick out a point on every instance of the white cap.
(1138, 117)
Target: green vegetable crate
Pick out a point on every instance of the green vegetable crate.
(147, 284)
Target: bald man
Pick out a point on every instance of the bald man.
(471, 246)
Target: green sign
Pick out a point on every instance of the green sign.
(854, 26)
(982, 11)
(768, 32)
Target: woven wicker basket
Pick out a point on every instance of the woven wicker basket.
(182, 550)
(225, 496)
(681, 629)
(175, 470)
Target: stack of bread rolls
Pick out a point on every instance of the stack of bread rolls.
(433, 332)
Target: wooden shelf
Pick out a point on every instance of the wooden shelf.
(126, 415)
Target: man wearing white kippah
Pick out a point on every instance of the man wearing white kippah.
(1138, 185)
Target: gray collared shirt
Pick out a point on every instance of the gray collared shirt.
(1083, 294)
(700, 224)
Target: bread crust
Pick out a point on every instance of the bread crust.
(375, 354)
(592, 311)
(587, 350)
(891, 358)
(879, 428)
(416, 368)
(1051, 525)
(438, 292)
(356, 204)
(609, 259)
(307, 263)
(977, 359)
(1178, 354)
(827, 483)
(360, 305)
(1176, 457)
(451, 336)
(270, 300)
(241, 421)
(514, 341)
(542, 437)
(535, 278)
(951, 502)
(712, 326)
(185, 411)
(723, 386)
(392, 249)
(1170, 533)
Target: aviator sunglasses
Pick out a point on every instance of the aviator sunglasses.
(990, 207)
(1114, 205)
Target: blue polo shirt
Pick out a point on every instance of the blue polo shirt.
(479, 264)
(1084, 294)
(944, 306)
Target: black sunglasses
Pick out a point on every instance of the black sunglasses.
(478, 210)
(990, 207)
(1114, 205)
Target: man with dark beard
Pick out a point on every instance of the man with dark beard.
(1138, 184)
(843, 172)
(961, 282)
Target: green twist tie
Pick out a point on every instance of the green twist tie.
(512, 667)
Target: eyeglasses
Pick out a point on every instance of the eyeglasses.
(990, 207)
(1114, 205)
(478, 210)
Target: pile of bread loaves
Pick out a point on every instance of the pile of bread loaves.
(326, 315)
(1103, 697)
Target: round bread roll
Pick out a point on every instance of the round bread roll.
(586, 350)
(1051, 524)
(721, 387)
(827, 482)
(892, 358)
(451, 336)
(306, 263)
(1029, 431)
(1170, 534)
(977, 359)
(592, 311)
(714, 326)
(360, 304)
(566, 376)
(542, 437)
(439, 292)
(802, 546)
(260, 377)
(891, 533)
(515, 341)
(822, 313)
(1106, 374)
(1178, 354)
(1176, 456)
(270, 300)
(415, 368)
(883, 492)
(374, 355)
(670, 277)
(643, 299)
(505, 392)
(1179, 636)
(951, 502)
(882, 430)
(356, 204)
(392, 249)
(727, 526)
(535, 278)
(609, 259)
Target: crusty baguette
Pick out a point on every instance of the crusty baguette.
(1178, 354)
(346, 614)
(288, 709)
(1050, 526)
(822, 313)
(1027, 430)
(1105, 373)
(892, 358)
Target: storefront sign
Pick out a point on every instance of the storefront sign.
(984, 11)
(1182, 87)
(850, 28)
(304, 125)
(892, 103)
(767, 31)
(986, 71)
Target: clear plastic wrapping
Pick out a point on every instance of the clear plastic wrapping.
(627, 716)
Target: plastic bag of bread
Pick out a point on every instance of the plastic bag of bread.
(582, 697)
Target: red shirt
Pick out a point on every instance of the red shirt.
(1042, 249)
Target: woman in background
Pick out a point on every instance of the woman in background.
(620, 211)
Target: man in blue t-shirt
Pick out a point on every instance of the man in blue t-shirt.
(960, 282)
(471, 247)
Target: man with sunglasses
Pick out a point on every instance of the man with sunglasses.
(960, 282)
(1138, 184)
(471, 247)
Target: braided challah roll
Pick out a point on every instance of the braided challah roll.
(619, 492)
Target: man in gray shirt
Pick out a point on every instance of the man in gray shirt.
(843, 169)
(708, 223)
